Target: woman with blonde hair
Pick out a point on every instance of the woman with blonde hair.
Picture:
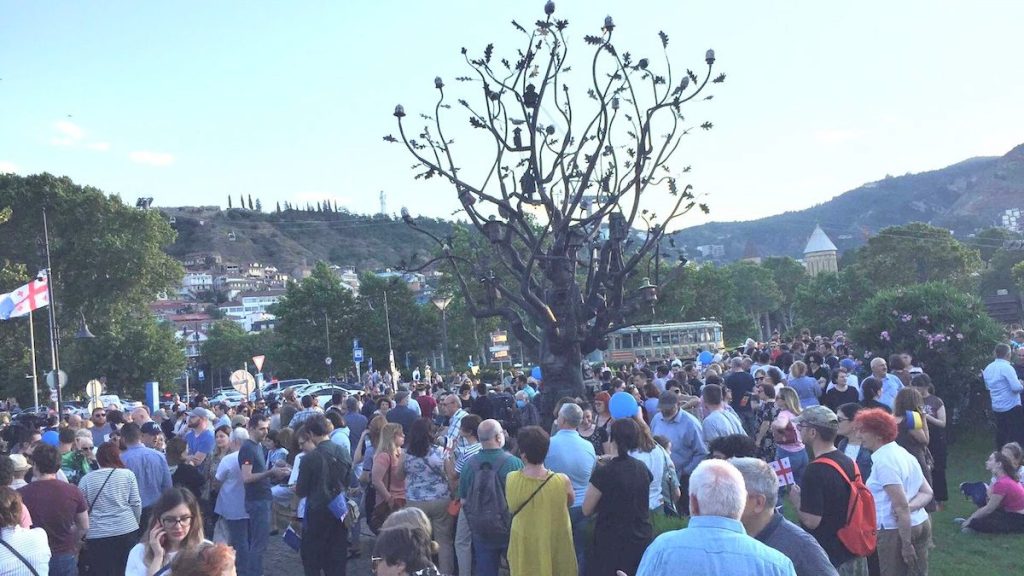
(788, 443)
(806, 387)
(386, 476)
(31, 543)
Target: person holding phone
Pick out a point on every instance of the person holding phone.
(175, 526)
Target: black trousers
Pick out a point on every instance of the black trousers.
(999, 522)
(108, 556)
(1010, 426)
(324, 547)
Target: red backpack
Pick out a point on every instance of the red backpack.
(859, 533)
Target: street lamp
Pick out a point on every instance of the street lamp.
(442, 303)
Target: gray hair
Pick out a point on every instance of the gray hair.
(719, 489)
(239, 435)
(488, 430)
(736, 362)
(571, 414)
(759, 479)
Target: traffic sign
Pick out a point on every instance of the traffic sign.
(94, 388)
(258, 361)
(328, 360)
(357, 355)
(62, 377)
(355, 344)
(243, 382)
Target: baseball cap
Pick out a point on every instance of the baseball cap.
(668, 399)
(201, 412)
(819, 417)
(151, 428)
(20, 462)
(849, 364)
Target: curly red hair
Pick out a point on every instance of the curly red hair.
(205, 560)
(878, 422)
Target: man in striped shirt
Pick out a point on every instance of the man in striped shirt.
(150, 468)
(451, 407)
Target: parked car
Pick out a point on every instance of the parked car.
(271, 390)
(228, 396)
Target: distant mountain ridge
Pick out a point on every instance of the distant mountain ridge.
(963, 197)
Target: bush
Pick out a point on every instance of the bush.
(946, 330)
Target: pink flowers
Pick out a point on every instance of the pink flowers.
(885, 335)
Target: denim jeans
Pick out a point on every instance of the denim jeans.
(259, 535)
(64, 565)
(579, 529)
(238, 538)
(487, 557)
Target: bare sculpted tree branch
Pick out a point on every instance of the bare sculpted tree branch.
(561, 202)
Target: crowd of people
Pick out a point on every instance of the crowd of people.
(460, 477)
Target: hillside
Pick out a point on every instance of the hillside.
(290, 238)
(963, 197)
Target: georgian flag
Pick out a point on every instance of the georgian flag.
(31, 296)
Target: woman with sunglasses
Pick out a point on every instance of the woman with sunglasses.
(176, 525)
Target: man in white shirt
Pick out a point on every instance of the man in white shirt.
(719, 421)
(1005, 388)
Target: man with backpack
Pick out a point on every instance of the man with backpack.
(482, 488)
(845, 529)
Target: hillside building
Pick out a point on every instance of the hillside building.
(820, 255)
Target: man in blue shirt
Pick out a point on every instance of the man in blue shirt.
(1004, 388)
(686, 436)
(573, 456)
(199, 437)
(402, 414)
(891, 384)
(148, 465)
(714, 542)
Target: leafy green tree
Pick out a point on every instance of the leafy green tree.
(757, 293)
(943, 327)
(788, 274)
(108, 264)
(827, 302)
(998, 274)
(1018, 276)
(917, 253)
(316, 318)
(228, 347)
(412, 328)
(990, 240)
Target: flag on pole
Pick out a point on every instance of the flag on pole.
(29, 297)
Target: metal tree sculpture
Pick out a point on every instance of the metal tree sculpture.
(561, 200)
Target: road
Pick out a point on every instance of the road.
(283, 561)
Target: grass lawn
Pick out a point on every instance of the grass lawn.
(970, 554)
(954, 554)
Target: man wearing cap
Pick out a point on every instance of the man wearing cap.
(20, 468)
(686, 435)
(199, 438)
(401, 413)
(150, 430)
(823, 496)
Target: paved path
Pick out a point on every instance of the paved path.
(283, 561)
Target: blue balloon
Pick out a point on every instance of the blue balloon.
(705, 357)
(51, 437)
(535, 373)
(623, 405)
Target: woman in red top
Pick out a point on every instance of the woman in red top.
(1004, 512)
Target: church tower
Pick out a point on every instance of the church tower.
(820, 255)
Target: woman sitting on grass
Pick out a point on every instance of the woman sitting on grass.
(1004, 512)
(977, 492)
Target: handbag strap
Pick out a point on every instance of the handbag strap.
(100, 491)
(523, 505)
(20, 557)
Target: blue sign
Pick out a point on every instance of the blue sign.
(202, 375)
(357, 354)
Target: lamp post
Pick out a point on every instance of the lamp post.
(442, 303)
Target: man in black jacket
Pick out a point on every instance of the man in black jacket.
(323, 473)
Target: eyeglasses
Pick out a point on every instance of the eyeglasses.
(171, 521)
(759, 378)
(374, 562)
(841, 419)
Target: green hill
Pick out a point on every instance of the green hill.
(964, 197)
(290, 238)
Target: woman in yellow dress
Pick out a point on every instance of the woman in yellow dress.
(539, 501)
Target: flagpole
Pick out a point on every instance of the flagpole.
(54, 333)
(35, 376)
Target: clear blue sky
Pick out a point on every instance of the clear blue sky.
(189, 102)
